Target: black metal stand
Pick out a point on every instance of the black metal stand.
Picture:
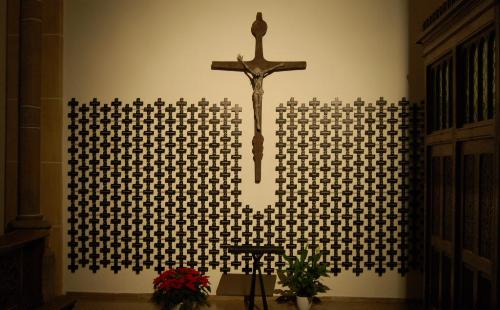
(256, 267)
(257, 253)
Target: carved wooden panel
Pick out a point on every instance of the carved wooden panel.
(484, 292)
(436, 192)
(460, 53)
(478, 215)
(439, 98)
(446, 275)
(467, 287)
(435, 266)
(440, 216)
(448, 198)
(441, 192)
(477, 70)
(11, 284)
(21, 257)
(469, 215)
(486, 204)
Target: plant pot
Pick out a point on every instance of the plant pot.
(304, 303)
(178, 306)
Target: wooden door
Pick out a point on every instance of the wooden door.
(440, 216)
(477, 212)
(462, 163)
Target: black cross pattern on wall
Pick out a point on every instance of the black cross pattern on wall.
(159, 186)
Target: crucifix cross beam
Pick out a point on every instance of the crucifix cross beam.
(256, 70)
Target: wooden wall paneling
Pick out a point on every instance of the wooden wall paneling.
(447, 36)
(463, 145)
(428, 289)
(477, 174)
(476, 76)
(455, 177)
(440, 216)
(429, 81)
(496, 221)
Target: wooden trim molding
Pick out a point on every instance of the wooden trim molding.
(146, 297)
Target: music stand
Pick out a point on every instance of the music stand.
(257, 252)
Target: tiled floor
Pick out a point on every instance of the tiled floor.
(232, 303)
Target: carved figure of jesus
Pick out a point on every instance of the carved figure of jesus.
(256, 77)
(256, 70)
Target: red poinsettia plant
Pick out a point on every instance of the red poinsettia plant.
(184, 286)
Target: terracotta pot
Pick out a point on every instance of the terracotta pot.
(303, 303)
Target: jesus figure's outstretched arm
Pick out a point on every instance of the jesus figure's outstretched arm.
(270, 70)
(240, 59)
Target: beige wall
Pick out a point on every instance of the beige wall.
(3, 42)
(151, 49)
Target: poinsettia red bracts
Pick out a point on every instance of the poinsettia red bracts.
(180, 278)
(184, 286)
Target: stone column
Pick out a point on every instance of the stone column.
(30, 48)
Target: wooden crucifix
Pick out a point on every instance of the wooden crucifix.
(256, 70)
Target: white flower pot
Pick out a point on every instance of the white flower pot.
(178, 306)
(303, 303)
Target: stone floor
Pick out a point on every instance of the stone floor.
(232, 303)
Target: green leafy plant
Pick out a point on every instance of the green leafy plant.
(302, 277)
(185, 286)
